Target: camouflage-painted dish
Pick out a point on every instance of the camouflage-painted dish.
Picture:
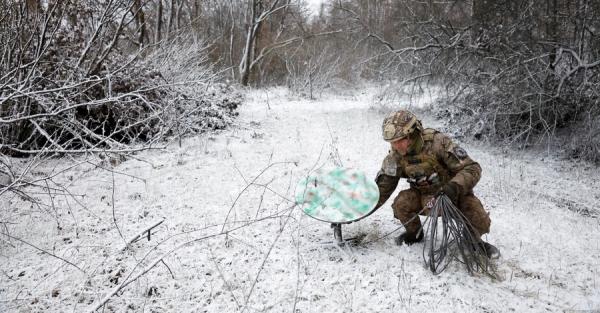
(341, 195)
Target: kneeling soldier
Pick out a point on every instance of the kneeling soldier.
(432, 163)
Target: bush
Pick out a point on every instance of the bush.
(70, 92)
(514, 88)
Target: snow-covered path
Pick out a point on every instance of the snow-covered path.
(233, 242)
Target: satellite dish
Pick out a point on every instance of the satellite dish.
(337, 196)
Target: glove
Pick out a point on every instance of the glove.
(452, 190)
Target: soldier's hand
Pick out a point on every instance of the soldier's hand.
(452, 190)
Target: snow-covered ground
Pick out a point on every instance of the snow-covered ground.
(232, 240)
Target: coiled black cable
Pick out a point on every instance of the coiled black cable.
(453, 240)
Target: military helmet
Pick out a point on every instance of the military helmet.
(400, 124)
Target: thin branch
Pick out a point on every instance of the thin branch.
(43, 251)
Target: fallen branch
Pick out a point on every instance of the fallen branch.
(71, 151)
(140, 234)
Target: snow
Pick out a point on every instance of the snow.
(273, 258)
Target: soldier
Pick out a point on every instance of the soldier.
(432, 164)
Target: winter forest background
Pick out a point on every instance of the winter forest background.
(115, 72)
(89, 85)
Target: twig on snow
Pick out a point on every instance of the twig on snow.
(248, 186)
(129, 279)
(43, 251)
(140, 234)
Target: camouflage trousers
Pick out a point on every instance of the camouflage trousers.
(410, 202)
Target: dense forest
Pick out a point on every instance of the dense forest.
(98, 75)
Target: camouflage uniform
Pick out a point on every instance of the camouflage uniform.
(431, 162)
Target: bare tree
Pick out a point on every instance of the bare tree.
(159, 20)
(257, 15)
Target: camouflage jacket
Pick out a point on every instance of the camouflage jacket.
(431, 162)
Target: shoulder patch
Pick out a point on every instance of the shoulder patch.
(460, 153)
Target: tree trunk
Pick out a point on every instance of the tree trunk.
(33, 6)
(247, 55)
(552, 28)
(197, 10)
(231, 42)
(256, 47)
(140, 21)
(171, 16)
(178, 15)
(159, 13)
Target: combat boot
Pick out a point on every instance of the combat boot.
(409, 239)
(490, 250)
